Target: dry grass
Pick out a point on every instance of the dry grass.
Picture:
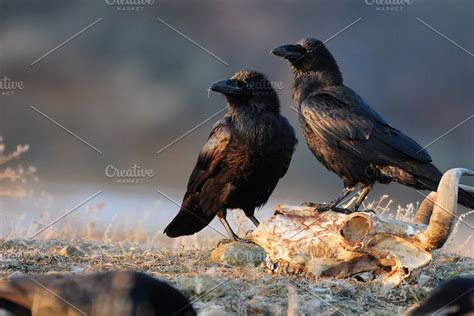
(238, 290)
(242, 290)
(13, 175)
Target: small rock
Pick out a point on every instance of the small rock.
(212, 272)
(423, 279)
(213, 310)
(77, 269)
(70, 251)
(206, 287)
(364, 276)
(15, 274)
(238, 254)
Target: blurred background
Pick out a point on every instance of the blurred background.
(129, 86)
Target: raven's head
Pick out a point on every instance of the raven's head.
(309, 55)
(248, 88)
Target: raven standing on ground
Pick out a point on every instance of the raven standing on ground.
(246, 154)
(346, 135)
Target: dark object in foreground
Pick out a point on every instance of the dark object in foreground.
(346, 135)
(109, 293)
(247, 153)
(455, 297)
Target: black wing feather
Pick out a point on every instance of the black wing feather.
(359, 129)
(345, 99)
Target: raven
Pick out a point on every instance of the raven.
(246, 154)
(346, 135)
(119, 293)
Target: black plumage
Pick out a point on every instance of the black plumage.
(246, 154)
(110, 293)
(346, 135)
(454, 297)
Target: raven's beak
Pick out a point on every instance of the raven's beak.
(290, 52)
(230, 86)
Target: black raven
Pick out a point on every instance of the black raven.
(346, 135)
(120, 293)
(246, 154)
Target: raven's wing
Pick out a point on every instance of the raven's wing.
(211, 157)
(201, 198)
(396, 139)
(341, 117)
(287, 140)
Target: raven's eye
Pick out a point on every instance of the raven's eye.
(241, 84)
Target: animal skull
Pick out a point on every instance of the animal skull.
(301, 240)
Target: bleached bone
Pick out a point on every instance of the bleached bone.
(301, 240)
(443, 205)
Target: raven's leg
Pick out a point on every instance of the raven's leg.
(233, 236)
(254, 220)
(341, 197)
(334, 203)
(362, 195)
(249, 213)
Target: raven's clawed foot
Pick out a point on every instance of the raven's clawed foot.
(237, 239)
(247, 240)
(325, 207)
(318, 207)
(308, 204)
(351, 210)
(321, 208)
(249, 233)
(226, 241)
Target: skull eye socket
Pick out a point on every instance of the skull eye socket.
(355, 229)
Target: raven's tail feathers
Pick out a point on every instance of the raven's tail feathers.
(190, 220)
(464, 198)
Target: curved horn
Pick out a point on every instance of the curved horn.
(444, 207)
(425, 209)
